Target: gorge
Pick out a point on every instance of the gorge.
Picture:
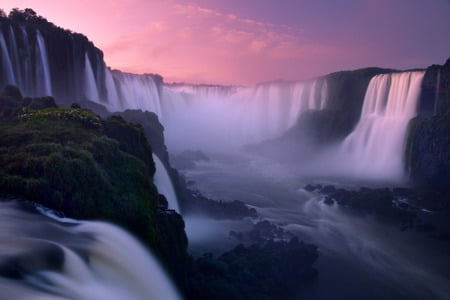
(341, 161)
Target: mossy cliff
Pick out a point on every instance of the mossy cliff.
(73, 161)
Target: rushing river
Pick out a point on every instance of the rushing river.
(360, 257)
(43, 256)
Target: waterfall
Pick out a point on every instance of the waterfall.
(162, 181)
(26, 79)
(218, 118)
(6, 61)
(54, 258)
(111, 90)
(90, 85)
(138, 92)
(32, 80)
(376, 146)
(211, 117)
(13, 55)
(43, 80)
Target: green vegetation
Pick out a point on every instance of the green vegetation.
(273, 270)
(73, 161)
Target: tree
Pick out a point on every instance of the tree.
(27, 14)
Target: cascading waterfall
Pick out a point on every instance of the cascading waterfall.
(164, 184)
(90, 85)
(212, 117)
(218, 118)
(375, 147)
(26, 79)
(67, 259)
(6, 61)
(42, 69)
(111, 90)
(223, 118)
(13, 53)
(28, 68)
(137, 92)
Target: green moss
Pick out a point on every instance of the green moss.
(63, 159)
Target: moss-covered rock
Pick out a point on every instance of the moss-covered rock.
(77, 163)
(62, 159)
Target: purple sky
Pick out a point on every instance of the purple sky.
(249, 41)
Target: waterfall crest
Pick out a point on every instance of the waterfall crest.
(376, 145)
(218, 118)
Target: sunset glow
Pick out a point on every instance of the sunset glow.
(245, 42)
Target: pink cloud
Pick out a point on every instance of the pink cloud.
(192, 42)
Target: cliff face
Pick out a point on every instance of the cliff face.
(73, 161)
(346, 91)
(317, 128)
(428, 151)
(45, 60)
(22, 33)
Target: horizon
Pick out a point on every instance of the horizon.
(225, 43)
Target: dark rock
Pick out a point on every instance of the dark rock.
(328, 189)
(428, 152)
(12, 91)
(262, 232)
(328, 201)
(442, 236)
(172, 244)
(425, 227)
(162, 202)
(40, 103)
(237, 235)
(310, 187)
(270, 271)
(187, 159)
(9, 108)
(201, 205)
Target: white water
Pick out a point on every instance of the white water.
(360, 257)
(101, 261)
(90, 85)
(137, 92)
(221, 118)
(33, 80)
(42, 69)
(165, 187)
(375, 147)
(6, 61)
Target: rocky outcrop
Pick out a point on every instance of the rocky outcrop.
(346, 91)
(272, 270)
(427, 155)
(153, 129)
(74, 162)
